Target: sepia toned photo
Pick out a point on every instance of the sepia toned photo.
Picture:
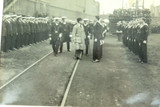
(80, 53)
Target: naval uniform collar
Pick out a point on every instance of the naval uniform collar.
(99, 23)
(85, 24)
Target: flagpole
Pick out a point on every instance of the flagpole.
(122, 4)
(143, 4)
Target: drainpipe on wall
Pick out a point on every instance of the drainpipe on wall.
(1, 14)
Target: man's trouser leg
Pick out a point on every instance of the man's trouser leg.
(17, 42)
(140, 51)
(94, 51)
(68, 45)
(144, 53)
(87, 47)
(57, 46)
(61, 47)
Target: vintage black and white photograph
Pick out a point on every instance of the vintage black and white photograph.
(80, 53)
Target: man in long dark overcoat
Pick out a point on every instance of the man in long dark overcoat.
(98, 30)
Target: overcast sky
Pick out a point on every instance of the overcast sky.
(107, 6)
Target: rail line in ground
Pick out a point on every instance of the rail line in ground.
(64, 99)
(15, 77)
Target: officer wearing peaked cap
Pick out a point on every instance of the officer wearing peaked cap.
(55, 37)
(65, 31)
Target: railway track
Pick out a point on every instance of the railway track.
(15, 77)
(64, 98)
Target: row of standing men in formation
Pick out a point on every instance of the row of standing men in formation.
(135, 34)
(18, 31)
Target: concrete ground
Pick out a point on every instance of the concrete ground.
(43, 84)
(117, 81)
(14, 62)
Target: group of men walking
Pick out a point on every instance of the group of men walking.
(80, 34)
(135, 34)
(18, 31)
(60, 33)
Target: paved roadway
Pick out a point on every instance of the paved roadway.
(117, 81)
(44, 84)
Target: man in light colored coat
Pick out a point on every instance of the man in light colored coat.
(78, 38)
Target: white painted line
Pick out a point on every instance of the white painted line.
(69, 85)
(23, 71)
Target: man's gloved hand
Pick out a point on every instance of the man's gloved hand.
(50, 35)
(89, 36)
(101, 42)
(145, 42)
(95, 40)
(60, 35)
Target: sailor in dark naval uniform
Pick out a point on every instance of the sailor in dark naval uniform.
(143, 41)
(55, 37)
(87, 34)
(65, 31)
(98, 31)
(4, 47)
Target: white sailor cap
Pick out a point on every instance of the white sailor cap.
(57, 18)
(64, 17)
(85, 19)
(13, 15)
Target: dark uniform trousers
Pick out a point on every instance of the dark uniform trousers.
(64, 38)
(55, 41)
(143, 52)
(3, 44)
(97, 50)
(87, 45)
(65, 29)
(4, 38)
